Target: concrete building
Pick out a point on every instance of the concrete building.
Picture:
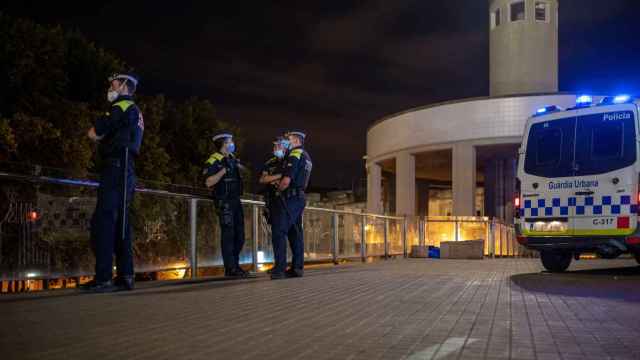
(459, 158)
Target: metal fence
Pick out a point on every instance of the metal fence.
(44, 231)
(499, 238)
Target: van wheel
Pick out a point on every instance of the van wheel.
(555, 261)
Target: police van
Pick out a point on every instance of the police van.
(578, 175)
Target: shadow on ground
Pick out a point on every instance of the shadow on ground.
(168, 287)
(619, 283)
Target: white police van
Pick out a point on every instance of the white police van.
(578, 174)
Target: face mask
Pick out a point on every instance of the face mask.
(286, 144)
(279, 153)
(112, 95)
(231, 148)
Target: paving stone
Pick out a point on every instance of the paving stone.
(396, 309)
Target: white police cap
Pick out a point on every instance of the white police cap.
(297, 133)
(222, 136)
(129, 77)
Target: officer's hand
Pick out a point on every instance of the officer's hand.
(92, 134)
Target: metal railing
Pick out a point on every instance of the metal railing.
(174, 231)
(44, 232)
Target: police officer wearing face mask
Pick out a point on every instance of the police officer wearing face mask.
(287, 215)
(223, 176)
(271, 175)
(119, 136)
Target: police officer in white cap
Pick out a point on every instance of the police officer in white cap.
(222, 174)
(287, 217)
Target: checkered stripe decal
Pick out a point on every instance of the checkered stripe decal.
(585, 206)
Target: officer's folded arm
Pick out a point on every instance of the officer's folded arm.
(265, 178)
(214, 179)
(284, 183)
(111, 122)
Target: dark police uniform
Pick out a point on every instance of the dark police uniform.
(287, 213)
(226, 194)
(121, 130)
(273, 166)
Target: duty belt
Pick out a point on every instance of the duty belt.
(293, 193)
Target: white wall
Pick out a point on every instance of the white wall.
(461, 121)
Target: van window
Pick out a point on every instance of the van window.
(548, 147)
(549, 150)
(586, 145)
(606, 142)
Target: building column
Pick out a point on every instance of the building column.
(464, 179)
(405, 184)
(422, 190)
(510, 165)
(374, 188)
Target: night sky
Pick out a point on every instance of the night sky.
(332, 68)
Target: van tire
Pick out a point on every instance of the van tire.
(555, 261)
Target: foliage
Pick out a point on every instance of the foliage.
(53, 87)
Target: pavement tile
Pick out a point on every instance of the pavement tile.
(396, 309)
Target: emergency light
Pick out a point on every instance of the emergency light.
(619, 99)
(584, 100)
(546, 110)
(622, 99)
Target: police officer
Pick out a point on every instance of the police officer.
(223, 175)
(119, 135)
(271, 175)
(287, 215)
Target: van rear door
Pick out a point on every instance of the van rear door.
(547, 192)
(605, 178)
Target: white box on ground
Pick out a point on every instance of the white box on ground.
(470, 249)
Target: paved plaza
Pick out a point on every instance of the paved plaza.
(395, 309)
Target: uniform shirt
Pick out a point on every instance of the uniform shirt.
(230, 185)
(273, 166)
(122, 127)
(294, 167)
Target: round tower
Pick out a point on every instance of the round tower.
(523, 46)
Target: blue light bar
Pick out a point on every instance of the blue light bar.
(584, 100)
(622, 99)
(615, 100)
(547, 110)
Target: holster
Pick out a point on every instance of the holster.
(224, 211)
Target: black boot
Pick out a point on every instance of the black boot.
(125, 283)
(99, 287)
(294, 273)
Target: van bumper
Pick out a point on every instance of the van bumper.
(581, 244)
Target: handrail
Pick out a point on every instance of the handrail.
(370, 241)
(144, 190)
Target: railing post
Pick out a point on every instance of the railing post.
(456, 227)
(363, 240)
(334, 228)
(193, 220)
(405, 252)
(386, 238)
(422, 225)
(492, 238)
(255, 235)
